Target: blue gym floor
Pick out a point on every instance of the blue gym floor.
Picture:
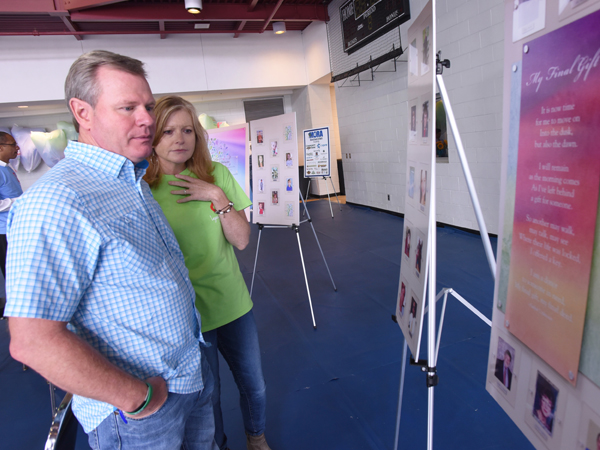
(336, 387)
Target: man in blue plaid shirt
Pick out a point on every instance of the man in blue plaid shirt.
(99, 298)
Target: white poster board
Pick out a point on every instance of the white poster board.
(555, 407)
(415, 244)
(275, 170)
(317, 153)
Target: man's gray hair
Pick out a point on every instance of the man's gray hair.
(81, 80)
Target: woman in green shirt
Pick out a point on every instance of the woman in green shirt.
(206, 212)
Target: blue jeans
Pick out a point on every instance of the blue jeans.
(185, 421)
(238, 343)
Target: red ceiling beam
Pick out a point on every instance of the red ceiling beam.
(27, 6)
(73, 5)
(271, 15)
(240, 27)
(89, 33)
(64, 16)
(132, 12)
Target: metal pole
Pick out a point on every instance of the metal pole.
(336, 196)
(400, 395)
(260, 227)
(469, 179)
(305, 278)
(328, 197)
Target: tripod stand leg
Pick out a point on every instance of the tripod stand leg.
(307, 191)
(336, 196)
(260, 227)
(323, 255)
(305, 277)
(402, 377)
(328, 198)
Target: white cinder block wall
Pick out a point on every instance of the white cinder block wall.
(373, 117)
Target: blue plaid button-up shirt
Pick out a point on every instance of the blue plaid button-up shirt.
(89, 245)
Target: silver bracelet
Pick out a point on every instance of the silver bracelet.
(225, 210)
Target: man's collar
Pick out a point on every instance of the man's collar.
(98, 158)
(3, 164)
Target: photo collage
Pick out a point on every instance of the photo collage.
(275, 170)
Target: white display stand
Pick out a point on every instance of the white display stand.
(296, 229)
(328, 197)
(426, 28)
(275, 184)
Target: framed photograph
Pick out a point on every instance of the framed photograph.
(275, 197)
(503, 367)
(260, 137)
(505, 360)
(261, 161)
(261, 208)
(261, 185)
(289, 161)
(289, 185)
(275, 173)
(289, 209)
(288, 133)
(274, 149)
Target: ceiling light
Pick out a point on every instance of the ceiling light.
(193, 6)
(279, 27)
(23, 106)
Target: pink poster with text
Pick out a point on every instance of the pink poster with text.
(558, 174)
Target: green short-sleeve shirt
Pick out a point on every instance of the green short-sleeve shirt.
(221, 292)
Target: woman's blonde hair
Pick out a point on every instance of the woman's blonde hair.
(200, 163)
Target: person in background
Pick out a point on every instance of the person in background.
(205, 206)
(99, 298)
(10, 190)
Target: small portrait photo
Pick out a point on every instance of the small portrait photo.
(412, 317)
(413, 122)
(402, 298)
(261, 185)
(423, 189)
(261, 161)
(413, 58)
(287, 132)
(289, 185)
(419, 255)
(505, 363)
(275, 197)
(425, 51)
(544, 405)
(289, 209)
(274, 150)
(259, 137)
(411, 182)
(407, 242)
(261, 208)
(593, 436)
(274, 173)
(425, 123)
(289, 162)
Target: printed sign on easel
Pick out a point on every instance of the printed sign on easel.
(316, 153)
(411, 290)
(275, 170)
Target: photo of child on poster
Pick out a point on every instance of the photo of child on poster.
(423, 190)
(419, 255)
(407, 243)
(259, 137)
(261, 185)
(274, 173)
(261, 161)
(425, 52)
(275, 197)
(273, 148)
(544, 406)
(402, 298)
(261, 208)
(289, 187)
(411, 182)
(505, 357)
(289, 162)
(412, 317)
(425, 126)
(413, 122)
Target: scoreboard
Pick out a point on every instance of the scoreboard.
(363, 21)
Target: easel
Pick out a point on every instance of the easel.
(433, 338)
(328, 198)
(296, 228)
